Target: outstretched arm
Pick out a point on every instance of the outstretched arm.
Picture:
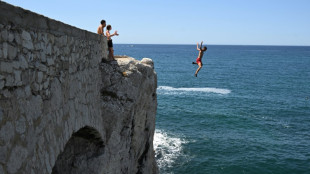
(110, 35)
(201, 44)
(198, 47)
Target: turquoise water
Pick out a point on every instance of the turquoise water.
(247, 112)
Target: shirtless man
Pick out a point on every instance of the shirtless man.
(101, 27)
(200, 55)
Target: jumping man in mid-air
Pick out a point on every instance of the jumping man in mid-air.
(200, 55)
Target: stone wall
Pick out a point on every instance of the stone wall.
(64, 108)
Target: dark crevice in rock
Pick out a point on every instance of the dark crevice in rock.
(10, 88)
(142, 158)
(105, 94)
(109, 93)
(132, 128)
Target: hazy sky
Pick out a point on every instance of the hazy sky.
(241, 22)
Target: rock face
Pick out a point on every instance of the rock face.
(64, 108)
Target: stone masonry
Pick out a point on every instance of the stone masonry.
(64, 108)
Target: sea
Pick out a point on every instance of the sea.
(247, 112)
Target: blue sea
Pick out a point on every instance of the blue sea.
(247, 112)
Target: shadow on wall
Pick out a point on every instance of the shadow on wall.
(82, 153)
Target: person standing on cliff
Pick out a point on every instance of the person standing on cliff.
(110, 43)
(101, 27)
(199, 58)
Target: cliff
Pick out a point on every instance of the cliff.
(64, 108)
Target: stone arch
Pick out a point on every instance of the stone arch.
(83, 153)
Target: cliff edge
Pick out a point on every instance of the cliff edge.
(64, 108)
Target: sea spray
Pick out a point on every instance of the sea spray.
(172, 90)
(167, 148)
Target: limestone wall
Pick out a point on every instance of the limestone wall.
(63, 109)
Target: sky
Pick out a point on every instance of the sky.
(220, 22)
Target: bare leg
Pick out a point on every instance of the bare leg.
(198, 69)
(110, 53)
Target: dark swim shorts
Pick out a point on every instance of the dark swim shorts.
(110, 44)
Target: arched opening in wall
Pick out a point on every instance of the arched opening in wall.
(83, 153)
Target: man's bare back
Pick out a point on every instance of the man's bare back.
(100, 30)
(101, 27)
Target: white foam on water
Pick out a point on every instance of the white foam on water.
(167, 148)
(163, 89)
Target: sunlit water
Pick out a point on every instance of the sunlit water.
(247, 112)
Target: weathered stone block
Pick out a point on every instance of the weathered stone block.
(41, 67)
(39, 77)
(50, 61)
(6, 67)
(43, 57)
(66, 51)
(6, 93)
(17, 38)
(27, 91)
(46, 83)
(20, 93)
(51, 38)
(26, 40)
(43, 37)
(12, 52)
(51, 71)
(4, 35)
(15, 65)
(25, 51)
(56, 50)
(11, 37)
(63, 40)
(37, 46)
(71, 41)
(18, 80)
(1, 84)
(48, 49)
(21, 125)
(35, 87)
(26, 79)
(5, 50)
(9, 80)
(26, 35)
(22, 62)
(34, 35)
